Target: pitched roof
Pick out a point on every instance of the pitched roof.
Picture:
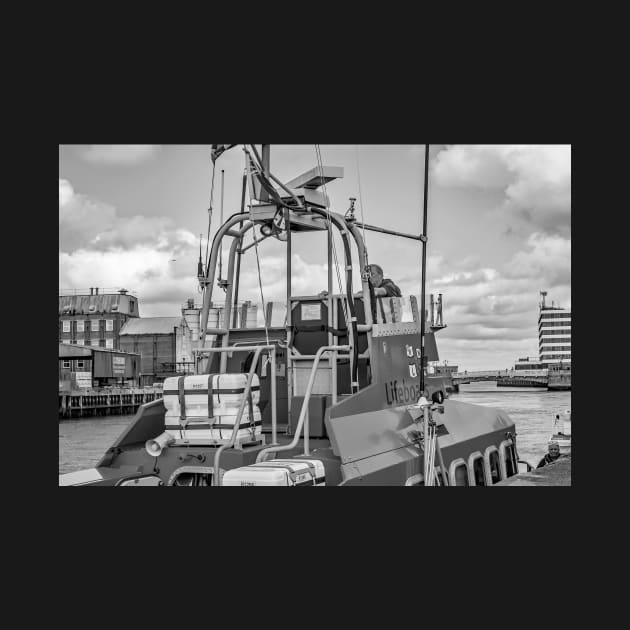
(150, 325)
(74, 350)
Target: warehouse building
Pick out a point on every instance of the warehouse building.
(160, 342)
(93, 367)
(95, 319)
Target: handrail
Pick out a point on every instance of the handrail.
(217, 331)
(304, 410)
(308, 357)
(250, 377)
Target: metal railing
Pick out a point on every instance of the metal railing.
(101, 291)
(502, 373)
(246, 393)
(303, 418)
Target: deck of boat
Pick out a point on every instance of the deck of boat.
(556, 474)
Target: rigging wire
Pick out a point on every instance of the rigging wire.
(320, 167)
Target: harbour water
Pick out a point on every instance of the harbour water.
(532, 409)
(82, 442)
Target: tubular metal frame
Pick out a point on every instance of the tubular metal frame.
(250, 376)
(302, 420)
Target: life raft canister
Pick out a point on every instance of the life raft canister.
(278, 472)
(204, 407)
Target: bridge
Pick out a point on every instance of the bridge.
(533, 378)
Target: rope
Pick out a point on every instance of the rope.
(430, 441)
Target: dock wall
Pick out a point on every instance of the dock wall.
(77, 404)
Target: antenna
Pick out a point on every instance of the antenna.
(221, 245)
(544, 294)
(200, 264)
(424, 264)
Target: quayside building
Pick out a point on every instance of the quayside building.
(95, 318)
(554, 333)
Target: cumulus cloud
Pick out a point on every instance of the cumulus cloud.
(81, 220)
(143, 270)
(88, 224)
(66, 192)
(149, 255)
(491, 313)
(122, 154)
(308, 278)
(547, 259)
(468, 278)
(484, 354)
(157, 260)
(535, 179)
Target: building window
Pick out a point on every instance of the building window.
(66, 364)
(109, 343)
(131, 305)
(101, 343)
(80, 365)
(80, 342)
(109, 324)
(80, 325)
(546, 315)
(66, 325)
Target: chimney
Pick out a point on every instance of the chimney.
(91, 290)
(95, 290)
(122, 291)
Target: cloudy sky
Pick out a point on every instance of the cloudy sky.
(499, 229)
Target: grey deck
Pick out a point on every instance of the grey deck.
(556, 474)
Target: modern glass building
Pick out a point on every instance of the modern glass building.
(554, 333)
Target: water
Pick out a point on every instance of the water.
(532, 409)
(83, 442)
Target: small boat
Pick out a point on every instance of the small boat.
(561, 432)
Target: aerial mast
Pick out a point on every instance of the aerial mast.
(423, 238)
(266, 158)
